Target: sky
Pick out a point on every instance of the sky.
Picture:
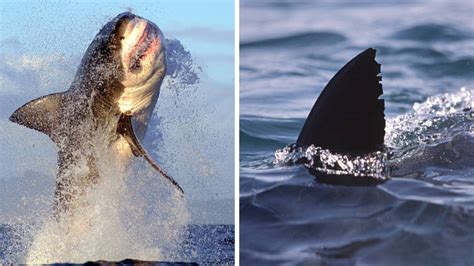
(205, 27)
(41, 43)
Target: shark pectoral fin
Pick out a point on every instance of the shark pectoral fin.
(125, 129)
(40, 114)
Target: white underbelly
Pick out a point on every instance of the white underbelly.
(136, 99)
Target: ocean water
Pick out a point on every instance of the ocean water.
(423, 214)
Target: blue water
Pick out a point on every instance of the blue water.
(424, 213)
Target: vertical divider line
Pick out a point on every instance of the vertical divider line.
(237, 129)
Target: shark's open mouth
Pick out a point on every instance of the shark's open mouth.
(140, 43)
(146, 45)
(143, 62)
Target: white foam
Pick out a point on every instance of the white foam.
(424, 124)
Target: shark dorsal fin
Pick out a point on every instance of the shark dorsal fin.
(348, 116)
(40, 114)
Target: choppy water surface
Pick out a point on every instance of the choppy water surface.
(423, 214)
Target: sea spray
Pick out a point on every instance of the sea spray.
(130, 213)
(425, 123)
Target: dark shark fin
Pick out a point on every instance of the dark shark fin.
(125, 128)
(40, 114)
(348, 116)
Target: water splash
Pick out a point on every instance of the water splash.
(128, 214)
(181, 69)
(428, 122)
(372, 164)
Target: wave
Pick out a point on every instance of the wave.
(432, 32)
(249, 142)
(276, 129)
(420, 52)
(308, 39)
(463, 67)
(314, 224)
(435, 120)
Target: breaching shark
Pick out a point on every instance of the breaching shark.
(348, 116)
(119, 78)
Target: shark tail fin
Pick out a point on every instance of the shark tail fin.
(40, 114)
(348, 116)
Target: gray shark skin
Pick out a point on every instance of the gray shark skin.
(119, 78)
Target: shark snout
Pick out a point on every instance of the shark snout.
(140, 41)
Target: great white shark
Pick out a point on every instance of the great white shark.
(118, 80)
